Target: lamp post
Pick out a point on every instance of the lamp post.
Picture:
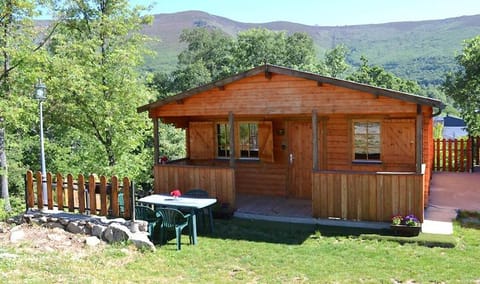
(41, 95)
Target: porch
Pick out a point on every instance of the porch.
(342, 195)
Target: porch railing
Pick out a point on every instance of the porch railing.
(219, 182)
(81, 195)
(367, 196)
(456, 155)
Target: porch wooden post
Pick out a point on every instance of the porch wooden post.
(419, 138)
(315, 140)
(156, 145)
(231, 124)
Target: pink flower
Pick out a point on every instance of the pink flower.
(176, 193)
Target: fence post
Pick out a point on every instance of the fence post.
(81, 193)
(444, 154)
(114, 197)
(39, 190)
(49, 191)
(103, 196)
(60, 193)
(92, 196)
(71, 200)
(29, 195)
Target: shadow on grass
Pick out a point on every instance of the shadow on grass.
(278, 232)
(296, 234)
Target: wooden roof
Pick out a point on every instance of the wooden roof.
(268, 68)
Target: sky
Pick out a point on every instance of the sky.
(321, 12)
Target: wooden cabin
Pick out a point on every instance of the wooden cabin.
(357, 152)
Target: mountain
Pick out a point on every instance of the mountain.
(423, 51)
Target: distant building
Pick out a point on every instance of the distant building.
(453, 127)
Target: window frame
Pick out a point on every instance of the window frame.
(238, 139)
(227, 140)
(367, 160)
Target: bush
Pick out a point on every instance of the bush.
(17, 204)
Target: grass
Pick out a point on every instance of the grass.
(245, 251)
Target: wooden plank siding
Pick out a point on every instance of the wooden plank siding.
(261, 178)
(279, 99)
(281, 95)
(219, 182)
(367, 196)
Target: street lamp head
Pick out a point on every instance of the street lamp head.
(40, 91)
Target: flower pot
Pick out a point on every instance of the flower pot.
(405, 231)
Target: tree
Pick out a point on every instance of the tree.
(335, 61)
(21, 50)
(377, 76)
(464, 85)
(210, 48)
(212, 55)
(255, 47)
(97, 87)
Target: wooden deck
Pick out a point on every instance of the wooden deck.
(273, 206)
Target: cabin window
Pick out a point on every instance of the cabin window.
(248, 134)
(223, 140)
(366, 141)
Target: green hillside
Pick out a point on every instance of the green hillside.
(421, 51)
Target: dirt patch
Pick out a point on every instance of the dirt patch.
(31, 236)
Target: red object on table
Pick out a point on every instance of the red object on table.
(176, 193)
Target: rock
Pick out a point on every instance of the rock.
(97, 230)
(141, 241)
(74, 228)
(64, 221)
(27, 218)
(43, 219)
(92, 241)
(55, 237)
(52, 225)
(142, 225)
(52, 219)
(16, 235)
(116, 233)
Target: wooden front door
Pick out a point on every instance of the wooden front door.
(299, 180)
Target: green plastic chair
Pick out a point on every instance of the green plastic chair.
(201, 213)
(154, 220)
(174, 220)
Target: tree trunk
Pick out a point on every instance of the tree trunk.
(3, 169)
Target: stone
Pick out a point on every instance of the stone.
(97, 230)
(43, 219)
(141, 241)
(28, 218)
(142, 225)
(52, 219)
(16, 235)
(52, 225)
(116, 233)
(92, 241)
(74, 228)
(97, 227)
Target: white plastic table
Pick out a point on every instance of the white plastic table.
(180, 202)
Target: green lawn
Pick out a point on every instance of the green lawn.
(243, 251)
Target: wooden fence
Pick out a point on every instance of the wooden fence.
(219, 182)
(367, 196)
(458, 155)
(80, 196)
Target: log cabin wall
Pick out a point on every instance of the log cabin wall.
(282, 98)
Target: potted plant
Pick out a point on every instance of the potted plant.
(406, 226)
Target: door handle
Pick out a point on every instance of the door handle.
(291, 158)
